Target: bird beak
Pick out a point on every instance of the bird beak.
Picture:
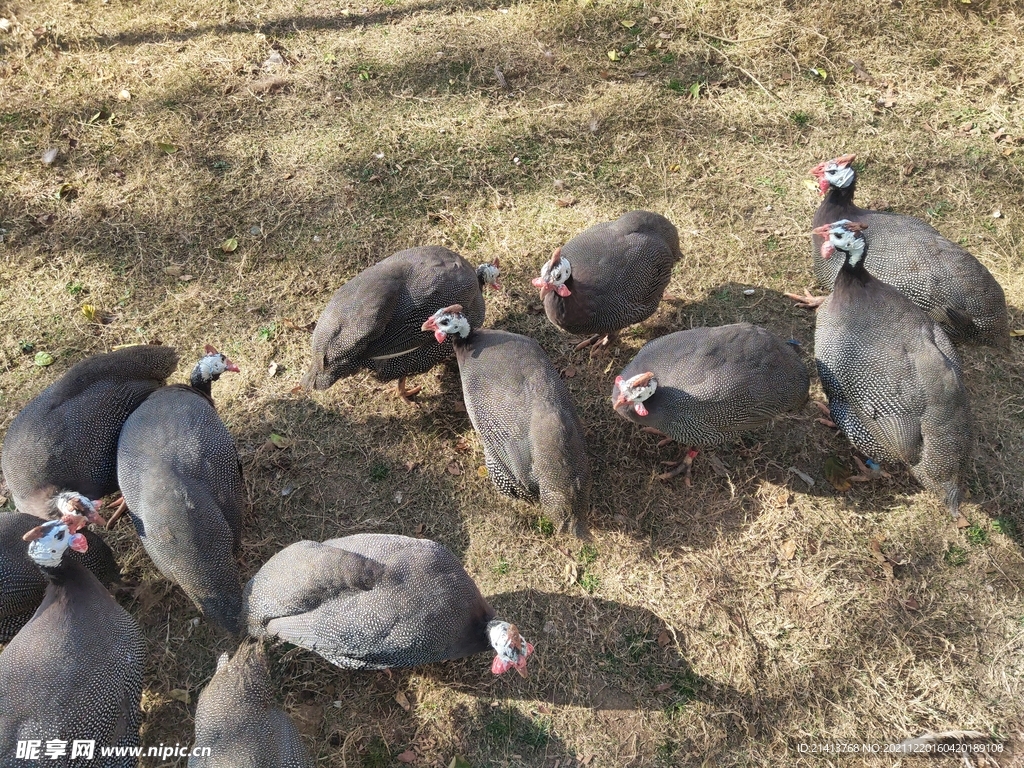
(231, 366)
(823, 231)
(544, 285)
(429, 325)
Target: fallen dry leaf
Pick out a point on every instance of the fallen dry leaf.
(569, 371)
(279, 441)
(462, 445)
(481, 471)
(420, 528)
(566, 202)
(400, 697)
(272, 368)
(174, 270)
(570, 574)
(962, 522)
(179, 694)
(407, 757)
(911, 604)
(881, 559)
(454, 468)
(410, 465)
(664, 638)
(838, 474)
(789, 550)
(662, 687)
(459, 762)
(229, 245)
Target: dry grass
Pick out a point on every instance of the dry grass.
(386, 126)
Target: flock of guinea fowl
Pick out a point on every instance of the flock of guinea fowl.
(72, 665)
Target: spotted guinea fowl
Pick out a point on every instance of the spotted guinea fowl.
(74, 671)
(375, 601)
(609, 276)
(533, 441)
(22, 585)
(66, 438)
(237, 722)
(699, 386)
(181, 478)
(373, 321)
(938, 275)
(891, 375)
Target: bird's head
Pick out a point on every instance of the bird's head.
(488, 275)
(72, 503)
(837, 172)
(553, 276)
(211, 366)
(512, 649)
(633, 391)
(844, 236)
(48, 542)
(446, 322)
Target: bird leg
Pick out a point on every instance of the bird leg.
(807, 301)
(122, 507)
(407, 394)
(659, 433)
(597, 341)
(867, 473)
(680, 467)
(827, 421)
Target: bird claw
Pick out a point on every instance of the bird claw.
(679, 468)
(867, 474)
(807, 301)
(407, 394)
(122, 507)
(827, 420)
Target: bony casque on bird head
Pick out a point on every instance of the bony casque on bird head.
(488, 274)
(447, 322)
(634, 391)
(843, 235)
(837, 172)
(512, 649)
(48, 542)
(73, 503)
(553, 276)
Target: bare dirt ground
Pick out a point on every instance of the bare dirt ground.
(221, 168)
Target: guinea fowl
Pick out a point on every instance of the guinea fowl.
(609, 276)
(373, 321)
(236, 720)
(182, 481)
(891, 375)
(533, 441)
(699, 386)
(74, 671)
(375, 601)
(66, 438)
(939, 276)
(22, 585)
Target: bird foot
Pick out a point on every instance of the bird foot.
(867, 474)
(827, 420)
(406, 393)
(598, 341)
(122, 507)
(680, 468)
(807, 301)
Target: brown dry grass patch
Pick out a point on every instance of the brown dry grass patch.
(385, 125)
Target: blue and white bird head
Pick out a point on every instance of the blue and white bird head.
(845, 236)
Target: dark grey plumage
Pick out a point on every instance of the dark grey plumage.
(22, 584)
(373, 321)
(370, 601)
(180, 475)
(66, 438)
(73, 672)
(715, 381)
(939, 276)
(892, 377)
(619, 271)
(237, 721)
(533, 441)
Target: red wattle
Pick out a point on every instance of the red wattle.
(562, 291)
(440, 336)
(640, 410)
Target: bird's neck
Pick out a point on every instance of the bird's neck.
(196, 382)
(840, 197)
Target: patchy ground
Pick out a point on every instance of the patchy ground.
(221, 168)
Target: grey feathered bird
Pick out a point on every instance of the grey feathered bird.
(699, 386)
(181, 478)
(891, 375)
(373, 321)
(22, 584)
(375, 601)
(609, 276)
(74, 671)
(237, 721)
(938, 275)
(533, 441)
(66, 438)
